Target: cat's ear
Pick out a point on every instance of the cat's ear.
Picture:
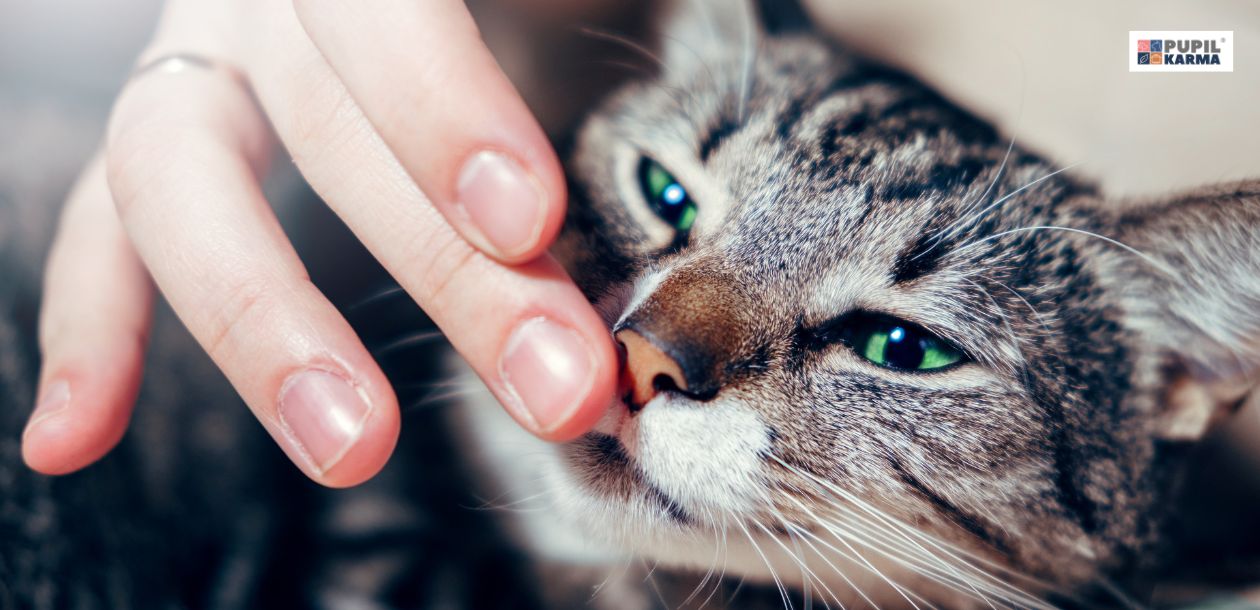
(1190, 289)
(692, 29)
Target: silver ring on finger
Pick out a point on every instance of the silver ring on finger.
(182, 62)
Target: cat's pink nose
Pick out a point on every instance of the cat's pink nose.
(647, 370)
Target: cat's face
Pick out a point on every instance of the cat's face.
(872, 353)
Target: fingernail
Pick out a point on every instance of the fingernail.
(324, 416)
(548, 369)
(503, 201)
(55, 398)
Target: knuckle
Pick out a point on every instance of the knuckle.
(323, 119)
(245, 307)
(154, 133)
(441, 263)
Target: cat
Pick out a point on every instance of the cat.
(877, 354)
(874, 349)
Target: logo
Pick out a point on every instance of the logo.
(1181, 51)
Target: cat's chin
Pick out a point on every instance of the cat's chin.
(568, 506)
(639, 526)
(675, 464)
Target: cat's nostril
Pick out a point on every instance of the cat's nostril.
(647, 370)
(665, 383)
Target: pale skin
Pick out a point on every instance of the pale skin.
(404, 124)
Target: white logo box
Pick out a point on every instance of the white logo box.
(1222, 39)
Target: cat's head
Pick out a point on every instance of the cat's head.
(864, 330)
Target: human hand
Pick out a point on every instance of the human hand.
(404, 124)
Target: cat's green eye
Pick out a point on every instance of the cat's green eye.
(897, 344)
(666, 196)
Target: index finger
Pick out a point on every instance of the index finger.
(439, 100)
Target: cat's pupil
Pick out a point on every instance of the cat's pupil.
(904, 351)
(894, 344)
(666, 196)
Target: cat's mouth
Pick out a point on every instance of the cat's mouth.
(605, 466)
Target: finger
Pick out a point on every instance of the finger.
(528, 331)
(179, 165)
(423, 77)
(94, 324)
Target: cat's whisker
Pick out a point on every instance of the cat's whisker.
(1153, 262)
(839, 572)
(952, 552)
(871, 529)
(825, 592)
(853, 554)
(419, 338)
(651, 581)
(944, 573)
(852, 585)
(877, 514)
(717, 550)
(370, 299)
(676, 93)
(442, 397)
(923, 563)
(612, 63)
(960, 226)
(878, 537)
(642, 50)
(966, 214)
(1040, 318)
(625, 569)
(651, 571)
(809, 600)
(997, 309)
(493, 504)
(806, 572)
(951, 561)
(908, 561)
(704, 63)
(783, 594)
(455, 381)
(1115, 591)
(623, 40)
(512, 507)
(726, 555)
(955, 573)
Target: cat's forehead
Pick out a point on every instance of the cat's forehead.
(811, 156)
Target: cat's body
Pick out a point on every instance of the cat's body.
(1085, 347)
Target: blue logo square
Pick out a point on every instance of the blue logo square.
(1144, 59)
(1157, 46)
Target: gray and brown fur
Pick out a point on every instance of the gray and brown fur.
(854, 188)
